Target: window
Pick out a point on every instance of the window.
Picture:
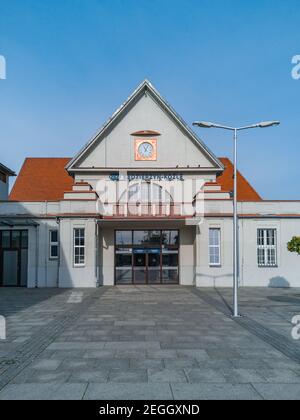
(214, 247)
(267, 247)
(53, 244)
(79, 247)
(3, 177)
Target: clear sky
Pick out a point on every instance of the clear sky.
(71, 63)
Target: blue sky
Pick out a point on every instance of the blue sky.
(71, 63)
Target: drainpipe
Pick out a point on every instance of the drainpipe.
(58, 252)
(97, 230)
(36, 256)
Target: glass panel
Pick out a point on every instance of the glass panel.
(153, 275)
(261, 256)
(124, 276)
(123, 237)
(25, 239)
(15, 239)
(6, 239)
(154, 266)
(170, 259)
(141, 237)
(139, 261)
(170, 275)
(10, 268)
(124, 259)
(154, 236)
(24, 267)
(139, 258)
(54, 236)
(170, 237)
(54, 251)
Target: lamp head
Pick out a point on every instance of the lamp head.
(204, 124)
(266, 124)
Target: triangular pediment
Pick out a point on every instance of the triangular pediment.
(144, 115)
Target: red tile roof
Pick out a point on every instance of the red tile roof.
(245, 191)
(45, 179)
(42, 179)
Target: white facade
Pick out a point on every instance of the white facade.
(5, 173)
(92, 206)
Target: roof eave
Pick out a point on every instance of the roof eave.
(6, 170)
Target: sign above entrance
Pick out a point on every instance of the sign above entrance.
(148, 177)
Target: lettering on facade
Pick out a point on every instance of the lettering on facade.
(148, 177)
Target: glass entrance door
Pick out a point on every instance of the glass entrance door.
(154, 266)
(13, 258)
(139, 266)
(146, 257)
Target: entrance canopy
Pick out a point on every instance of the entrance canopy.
(8, 222)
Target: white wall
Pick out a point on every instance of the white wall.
(174, 147)
(286, 274)
(3, 190)
(194, 263)
(69, 274)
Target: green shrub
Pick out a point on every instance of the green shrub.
(294, 245)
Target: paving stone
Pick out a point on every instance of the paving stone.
(46, 364)
(98, 354)
(146, 363)
(132, 345)
(205, 375)
(180, 363)
(95, 375)
(242, 376)
(286, 392)
(135, 335)
(130, 354)
(77, 364)
(200, 355)
(113, 363)
(42, 377)
(162, 354)
(126, 391)
(166, 375)
(76, 346)
(43, 392)
(209, 391)
(130, 375)
(282, 376)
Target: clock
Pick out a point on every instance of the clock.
(145, 149)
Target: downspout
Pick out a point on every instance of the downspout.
(58, 252)
(97, 253)
(36, 256)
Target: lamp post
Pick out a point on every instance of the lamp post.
(235, 130)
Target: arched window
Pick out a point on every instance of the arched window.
(146, 198)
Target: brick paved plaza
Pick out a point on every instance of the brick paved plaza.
(148, 343)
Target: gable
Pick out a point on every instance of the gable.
(145, 111)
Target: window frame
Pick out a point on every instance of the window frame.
(80, 264)
(53, 243)
(265, 247)
(210, 246)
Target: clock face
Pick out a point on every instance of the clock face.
(146, 150)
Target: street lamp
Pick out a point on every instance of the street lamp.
(264, 124)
